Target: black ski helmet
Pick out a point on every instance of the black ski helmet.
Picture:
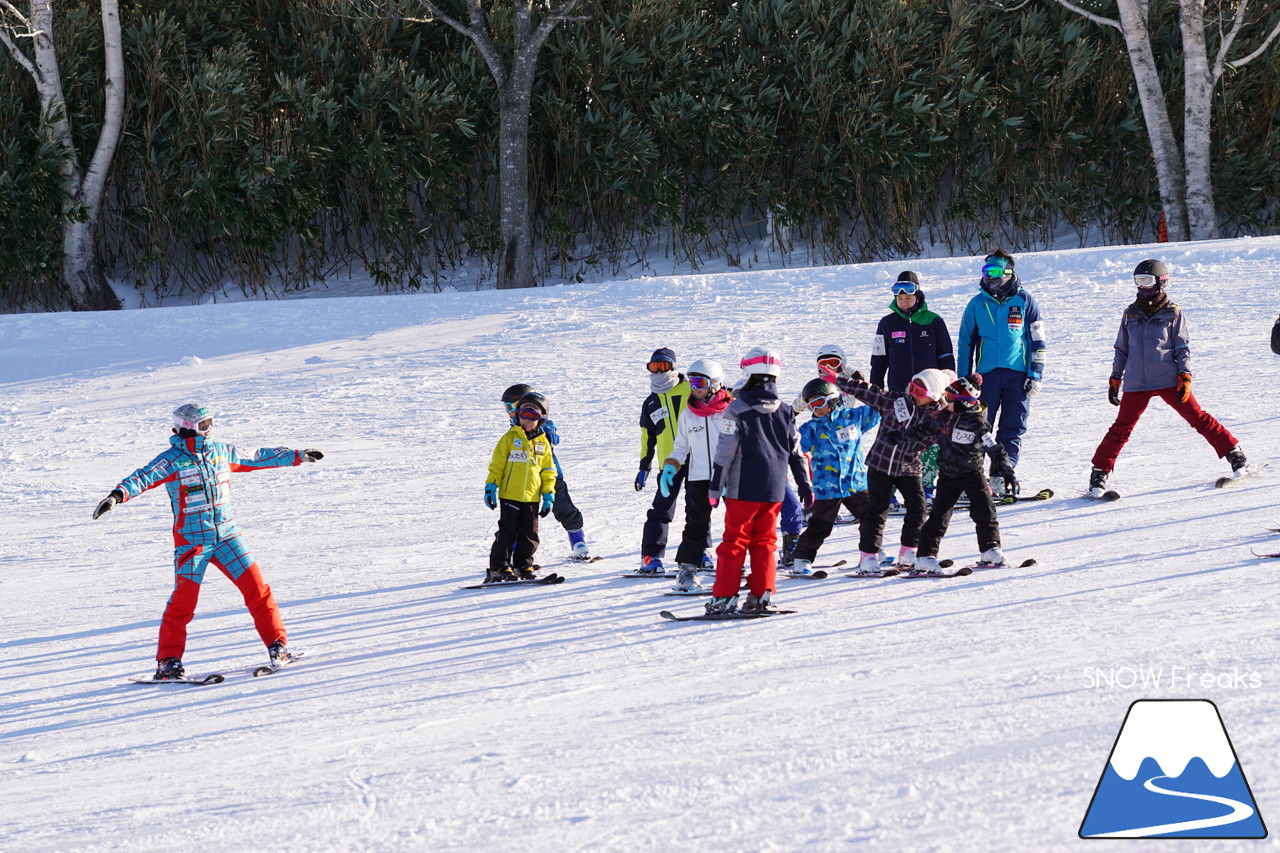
(533, 398)
(820, 388)
(1152, 267)
(515, 392)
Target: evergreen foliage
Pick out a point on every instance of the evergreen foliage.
(277, 144)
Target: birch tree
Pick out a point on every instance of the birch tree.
(84, 285)
(512, 68)
(1183, 173)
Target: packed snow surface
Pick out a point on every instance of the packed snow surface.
(968, 714)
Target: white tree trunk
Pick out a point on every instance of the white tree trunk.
(1198, 85)
(84, 285)
(1155, 114)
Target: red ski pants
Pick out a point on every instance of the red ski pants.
(186, 593)
(1134, 403)
(749, 527)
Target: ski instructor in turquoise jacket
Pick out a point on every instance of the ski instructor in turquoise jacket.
(1002, 338)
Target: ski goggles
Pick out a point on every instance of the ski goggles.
(530, 414)
(815, 403)
(698, 382)
(907, 287)
(1146, 281)
(834, 362)
(660, 367)
(997, 268)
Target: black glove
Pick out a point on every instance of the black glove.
(858, 377)
(311, 455)
(1010, 482)
(640, 478)
(805, 493)
(1113, 390)
(893, 437)
(108, 502)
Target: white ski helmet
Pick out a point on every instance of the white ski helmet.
(760, 360)
(831, 351)
(708, 368)
(191, 416)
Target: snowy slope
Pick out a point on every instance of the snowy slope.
(887, 715)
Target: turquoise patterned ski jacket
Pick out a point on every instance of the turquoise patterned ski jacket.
(837, 460)
(196, 472)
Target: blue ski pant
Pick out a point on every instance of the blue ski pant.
(1007, 408)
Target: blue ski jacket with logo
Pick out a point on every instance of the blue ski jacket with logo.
(1002, 332)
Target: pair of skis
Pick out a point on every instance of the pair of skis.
(217, 677)
(547, 580)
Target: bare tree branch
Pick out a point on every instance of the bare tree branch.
(9, 10)
(1097, 19)
(1245, 60)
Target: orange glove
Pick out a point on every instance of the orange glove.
(1113, 390)
(1184, 387)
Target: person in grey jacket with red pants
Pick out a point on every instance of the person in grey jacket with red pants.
(1153, 359)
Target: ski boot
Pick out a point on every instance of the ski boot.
(279, 654)
(757, 603)
(993, 558)
(527, 574)
(651, 566)
(926, 566)
(168, 669)
(1239, 464)
(788, 548)
(802, 566)
(906, 558)
(997, 486)
(708, 564)
(687, 580)
(720, 606)
(1098, 482)
(578, 542)
(868, 564)
(499, 575)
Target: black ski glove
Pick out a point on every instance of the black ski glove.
(108, 502)
(1113, 390)
(311, 455)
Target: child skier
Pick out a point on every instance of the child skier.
(963, 437)
(196, 470)
(697, 434)
(1154, 342)
(522, 479)
(564, 510)
(832, 439)
(659, 415)
(758, 442)
(894, 462)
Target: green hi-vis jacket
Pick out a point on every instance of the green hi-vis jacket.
(658, 419)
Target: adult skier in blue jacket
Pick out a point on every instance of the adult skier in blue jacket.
(1002, 337)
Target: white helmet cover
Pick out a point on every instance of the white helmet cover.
(760, 360)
